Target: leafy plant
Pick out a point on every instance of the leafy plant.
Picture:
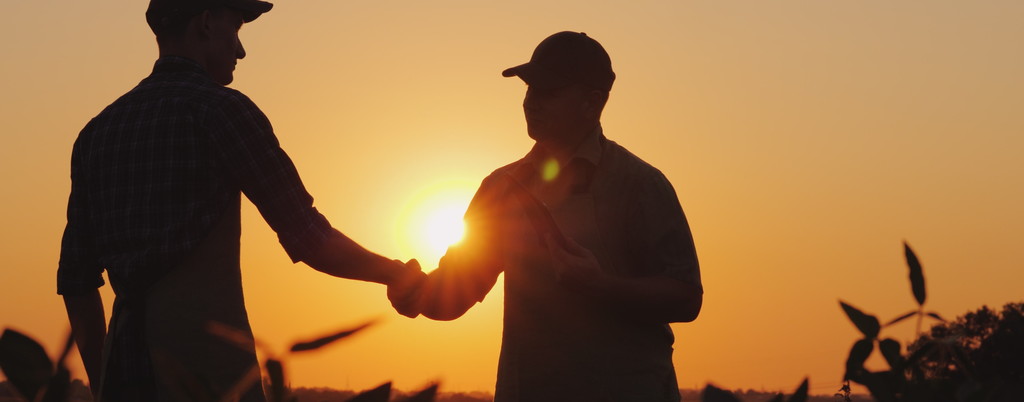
(29, 369)
(907, 378)
(276, 385)
(715, 394)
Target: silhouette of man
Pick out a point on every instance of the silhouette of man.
(586, 316)
(156, 183)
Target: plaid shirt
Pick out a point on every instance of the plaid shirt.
(153, 172)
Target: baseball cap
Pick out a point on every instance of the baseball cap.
(163, 13)
(566, 58)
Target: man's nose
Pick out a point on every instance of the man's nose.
(240, 52)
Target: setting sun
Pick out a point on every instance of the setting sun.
(432, 220)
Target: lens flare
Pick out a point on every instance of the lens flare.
(550, 169)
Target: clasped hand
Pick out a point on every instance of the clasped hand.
(403, 292)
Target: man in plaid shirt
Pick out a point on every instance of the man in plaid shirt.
(155, 194)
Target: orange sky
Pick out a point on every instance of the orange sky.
(805, 139)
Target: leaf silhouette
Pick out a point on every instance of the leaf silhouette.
(320, 342)
(380, 394)
(778, 398)
(58, 387)
(890, 349)
(276, 372)
(936, 316)
(867, 324)
(858, 355)
(24, 362)
(901, 318)
(241, 339)
(68, 345)
(714, 394)
(428, 394)
(916, 274)
(800, 395)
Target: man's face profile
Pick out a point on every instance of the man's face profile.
(224, 48)
(554, 113)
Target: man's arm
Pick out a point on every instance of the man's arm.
(469, 270)
(89, 326)
(463, 277)
(658, 298)
(251, 154)
(667, 286)
(342, 257)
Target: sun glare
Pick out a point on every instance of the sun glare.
(432, 220)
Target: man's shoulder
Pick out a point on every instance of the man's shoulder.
(628, 165)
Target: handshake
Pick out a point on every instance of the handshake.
(405, 288)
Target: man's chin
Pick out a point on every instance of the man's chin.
(224, 79)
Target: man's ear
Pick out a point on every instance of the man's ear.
(204, 24)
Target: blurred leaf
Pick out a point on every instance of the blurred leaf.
(380, 394)
(858, 355)
(916, 275)
(24, 362)
(68, 345)
(800, 395)
(714, 394)
(320, 342)
(778, 398)
(194, 388)
(58, 387)
(867, 324)
(240, 338)
(936, 316)
(277, 387)
(879, 385)
(428, 394)
(243, 384)
(890, 349)
(901, 318)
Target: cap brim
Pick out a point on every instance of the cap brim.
(536, 76)
(251, 9)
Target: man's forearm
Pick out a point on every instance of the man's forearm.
(658, 298)
(342, 257)
(89, 326)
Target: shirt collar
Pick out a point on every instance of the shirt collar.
(177, 64)
(589, 150)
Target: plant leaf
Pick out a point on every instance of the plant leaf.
(916, 274)
(58, 387)
(322, 341)
(890, 349)
(867, 324)
(380, 394)
(900, 318)
(858, 355)
(24, 362)
(936, 316)
(800, 395)
(277, 387)
(714, 394)
(427, 394)
(241, 339)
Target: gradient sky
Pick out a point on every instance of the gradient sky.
(806, 140)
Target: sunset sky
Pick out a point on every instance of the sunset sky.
(806, 141)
